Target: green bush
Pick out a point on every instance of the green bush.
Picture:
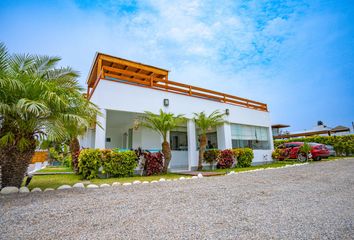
(343, 145)
(120, 164)
(244, 156)
(114, 164)
(89, 163)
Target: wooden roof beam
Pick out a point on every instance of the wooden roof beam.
(133, 64)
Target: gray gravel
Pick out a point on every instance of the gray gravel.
(313, 201)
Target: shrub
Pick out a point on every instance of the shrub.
(225, 159)
(210, 156)
(244, 156)
(278, 154)
(114, 164)
(119, 164)
(153, 163)
(89, 163)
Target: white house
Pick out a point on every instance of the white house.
(124, 89)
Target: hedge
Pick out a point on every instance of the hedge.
(244, 156)
(114, 164)
(342, 144)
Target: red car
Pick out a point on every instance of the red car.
(318, 151)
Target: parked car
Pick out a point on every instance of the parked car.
(291, 150)
(332, 152)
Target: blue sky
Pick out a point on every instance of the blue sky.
(296, 56)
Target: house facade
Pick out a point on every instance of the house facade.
(124, 90)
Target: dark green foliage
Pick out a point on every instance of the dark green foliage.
(343, 145)
(120, 164)
(115, 164)
(244, 156)
(89, 163)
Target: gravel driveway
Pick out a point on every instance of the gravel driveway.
(314, 201)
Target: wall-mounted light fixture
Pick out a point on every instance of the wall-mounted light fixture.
(166, 102)
(227, 111)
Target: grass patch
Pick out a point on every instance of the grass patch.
(268, 165)
(55, 169)
(54, 181)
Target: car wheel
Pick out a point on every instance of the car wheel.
(301, 158)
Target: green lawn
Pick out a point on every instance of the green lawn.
(53, 169)
(54, 181)
(269, 165)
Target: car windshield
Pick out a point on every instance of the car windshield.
(290, 145)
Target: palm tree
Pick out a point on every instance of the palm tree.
(37, 101)
(204, 123)
(162, 123)
(87, 111)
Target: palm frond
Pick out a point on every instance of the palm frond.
(204, 122)
(3, 58)
(36, 108)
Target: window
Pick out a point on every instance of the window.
(178, 141)
(254, 137)
(212, 137)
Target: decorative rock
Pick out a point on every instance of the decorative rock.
(48, 189)
(168, 180)
(24, 190)
(182, 178)
(175, 179)
(104, 185)
(194, 177)
(154, 181)
(200, 175)
(79, 185)
(127, 184)
(37, 189)
(62, 187)
(162, 180)
(137, 182)
(92, 186)
(115, 184)
(145, 182)
(9, 190)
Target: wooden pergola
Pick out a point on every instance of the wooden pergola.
(110, 68)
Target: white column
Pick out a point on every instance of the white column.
(100, 137)
(224, 136)
(271, 138)
(192, 143)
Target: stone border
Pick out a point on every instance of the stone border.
(10, 190)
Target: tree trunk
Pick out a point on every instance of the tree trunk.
(14, 163)
(166, 150)
(202, 147)
(75, 151)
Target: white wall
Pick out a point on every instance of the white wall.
(125, 97)
(261, 156)
(179, 160)
(116, 136)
